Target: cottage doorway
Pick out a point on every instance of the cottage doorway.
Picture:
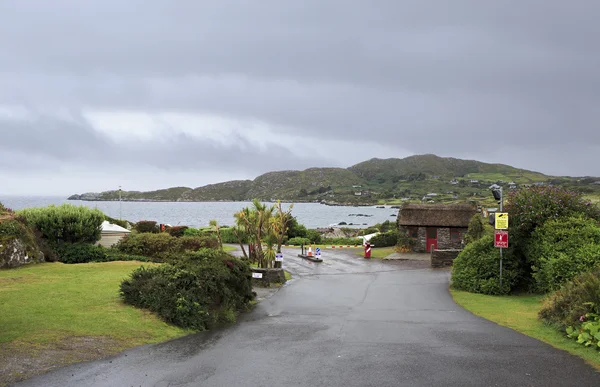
(431, 238)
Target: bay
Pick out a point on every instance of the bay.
(199, 214)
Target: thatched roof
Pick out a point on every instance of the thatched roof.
(440, 215)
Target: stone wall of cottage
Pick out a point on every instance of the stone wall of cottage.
(443, 258)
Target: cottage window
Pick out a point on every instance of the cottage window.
(454, 234)
(413, 232)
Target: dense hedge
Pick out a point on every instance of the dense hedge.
(477, 268)
(155, 245)
(199, 291)
(385, 239)
(86, 252)
(65, 223)
(146, 226)
(80, 253)
(297, 241)
(562, 248)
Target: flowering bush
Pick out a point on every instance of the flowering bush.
(574, 299)
(588, 333)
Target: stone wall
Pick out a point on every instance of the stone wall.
(443, 258)
(269, 276)
(444, 240)
(13, 253)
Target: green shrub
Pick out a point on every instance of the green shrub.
(342, 241)
(146, 226)
(385, 239)
(477, 268)
(155, 245)
(192, 232)
(297, 241)
(385, 226)
(531, 207)
(80, 253)
(194, 293)
(588, 333)
(295, 230)
(405, 242)
(562, 248)
(228, 236)
(314, 236)
(190, 243)
(574, 299)
(176, 231)
(65, 223)
(478, 227)
(116, 255)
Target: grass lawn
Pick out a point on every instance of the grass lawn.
(378, 252)
(54, 314)
(520, 313)
(228, 248)
(45, 302)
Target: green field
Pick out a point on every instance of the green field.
(520, 313)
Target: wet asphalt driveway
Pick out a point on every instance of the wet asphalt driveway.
(344, 322)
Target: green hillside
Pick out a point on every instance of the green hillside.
(426, 178)
(428, 166)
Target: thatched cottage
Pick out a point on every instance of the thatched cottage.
(442, 226)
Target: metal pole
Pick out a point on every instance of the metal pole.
(120, 205)
(501, 209)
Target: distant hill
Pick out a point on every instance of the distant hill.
(431, 165)
(415, 178)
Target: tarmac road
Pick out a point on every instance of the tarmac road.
(344, 322)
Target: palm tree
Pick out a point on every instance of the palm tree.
(213, 223)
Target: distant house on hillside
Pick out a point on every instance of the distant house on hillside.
(111, 234)
(454, 182)
(440, 225)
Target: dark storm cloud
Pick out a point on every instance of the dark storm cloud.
(491, 79)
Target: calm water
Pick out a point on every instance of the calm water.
(312, 215)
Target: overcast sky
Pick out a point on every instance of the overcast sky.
(150, 94)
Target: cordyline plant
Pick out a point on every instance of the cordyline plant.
(265, 228)
(531, 207)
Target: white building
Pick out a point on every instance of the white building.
(111, 234)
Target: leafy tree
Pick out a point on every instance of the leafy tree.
(477, 229)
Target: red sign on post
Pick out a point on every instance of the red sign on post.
(501, 239)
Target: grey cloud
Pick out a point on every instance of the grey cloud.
(496, 80)
(55, 142)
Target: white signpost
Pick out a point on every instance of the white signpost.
(318, 252)
(256, 275)
(279, 257)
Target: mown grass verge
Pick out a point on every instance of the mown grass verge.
(68, 312)
(520, 314)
